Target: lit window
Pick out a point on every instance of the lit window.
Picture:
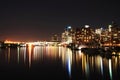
(114, 34)
(89, 37)
(114, 41)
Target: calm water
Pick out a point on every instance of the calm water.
(53, 63)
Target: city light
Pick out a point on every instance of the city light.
(69, 27)
(12, 42)
(87, 36)
(87, 26)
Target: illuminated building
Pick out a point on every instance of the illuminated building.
(111, 35)
(98, 33)
(115, 33)
(105, 36)
(77, 36)
(87, 34)
(68, 35)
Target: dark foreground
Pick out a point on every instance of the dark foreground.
(56, 63)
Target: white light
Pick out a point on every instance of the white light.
(79, 47)
(110, 69)
(87, 26)
(110, 26)
(69, 27)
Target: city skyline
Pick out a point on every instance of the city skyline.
(39, 20)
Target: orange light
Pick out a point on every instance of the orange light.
(12, 42)
(29, 50)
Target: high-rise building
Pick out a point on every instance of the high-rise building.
(111, 35)
(87, 34)
(115, 33)
(68, 35)
(77, 36)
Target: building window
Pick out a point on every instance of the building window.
(89, 37)
(82, 29)
(114, 34)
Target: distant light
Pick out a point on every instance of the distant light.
(87, 26)
(101, 28)
(110, 26)
(69, 27)
(113, 53)
(79, 47)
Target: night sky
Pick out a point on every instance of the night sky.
(39, 20)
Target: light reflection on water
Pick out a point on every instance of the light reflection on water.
(71, 60)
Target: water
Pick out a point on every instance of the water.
(56, 63)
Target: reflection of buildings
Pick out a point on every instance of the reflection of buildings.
(90, 64)
(30, 54)
(67, 59)
(21, 54)
(83, 64)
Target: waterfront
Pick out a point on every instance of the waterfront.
(50, 62)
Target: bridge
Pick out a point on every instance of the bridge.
(41, 43)
(37, 43)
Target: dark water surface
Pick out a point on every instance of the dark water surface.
(56, 63)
